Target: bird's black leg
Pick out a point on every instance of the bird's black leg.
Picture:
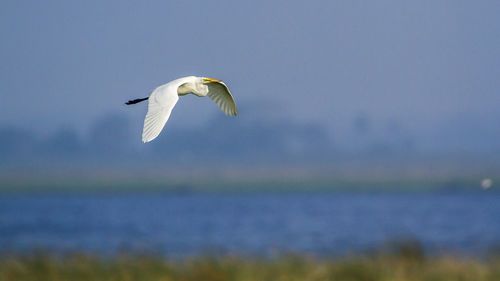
(135, 101)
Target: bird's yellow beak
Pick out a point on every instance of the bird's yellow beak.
(210, 80)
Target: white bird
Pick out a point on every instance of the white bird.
(163, 99)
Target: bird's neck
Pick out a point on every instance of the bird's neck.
(192, 88)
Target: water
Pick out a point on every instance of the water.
(257, 223)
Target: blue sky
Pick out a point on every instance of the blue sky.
(421, 65)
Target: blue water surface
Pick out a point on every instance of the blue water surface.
(320, 223)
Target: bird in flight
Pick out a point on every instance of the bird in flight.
(163, 99)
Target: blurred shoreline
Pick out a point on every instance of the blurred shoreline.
(292, 182)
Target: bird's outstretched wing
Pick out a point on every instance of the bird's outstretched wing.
(220, 94)
(158, 112)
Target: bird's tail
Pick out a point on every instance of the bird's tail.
(135, 101)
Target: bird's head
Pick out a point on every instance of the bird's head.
(196, 85)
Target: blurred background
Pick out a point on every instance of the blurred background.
(360, 122)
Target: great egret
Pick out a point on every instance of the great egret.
(163, 99)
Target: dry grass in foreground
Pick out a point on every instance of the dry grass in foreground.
(394, 266)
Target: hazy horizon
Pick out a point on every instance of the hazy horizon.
(317, 83)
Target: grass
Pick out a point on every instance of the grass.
(403, 264)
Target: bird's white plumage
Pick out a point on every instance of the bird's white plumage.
(161, 102)
(163, 99)
(220, 94)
